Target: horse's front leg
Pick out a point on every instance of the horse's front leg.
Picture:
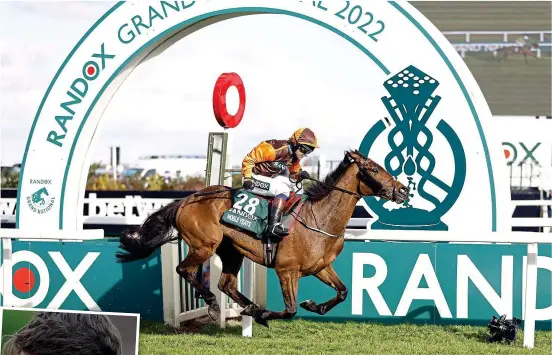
(330, 278)
(289, 281)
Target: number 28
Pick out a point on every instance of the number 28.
(250, 207)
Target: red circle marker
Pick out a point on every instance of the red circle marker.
(224, 82)
(23, 280)
(90, 70)
(506, 153)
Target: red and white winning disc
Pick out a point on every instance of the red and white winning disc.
(224, 82)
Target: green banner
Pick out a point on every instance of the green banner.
(85, 276)
(438, 283)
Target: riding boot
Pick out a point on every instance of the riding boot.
(275, 227)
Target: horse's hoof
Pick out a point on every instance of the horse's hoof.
(309, 305)
(261, 319)
(214, 311)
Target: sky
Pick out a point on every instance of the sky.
(294, 74)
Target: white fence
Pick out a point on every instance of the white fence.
(507, 38)
(506, 35)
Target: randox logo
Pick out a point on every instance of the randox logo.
(261, 184)
(511, 153)
(77, 92)
(40, 201)
(34, 275)
(411, 104)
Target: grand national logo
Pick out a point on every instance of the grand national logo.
(40, 201)
(411, 104)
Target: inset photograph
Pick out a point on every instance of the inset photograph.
(44, 332)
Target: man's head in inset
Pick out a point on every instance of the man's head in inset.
(50, 333)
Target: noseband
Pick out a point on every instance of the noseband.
(381, 191)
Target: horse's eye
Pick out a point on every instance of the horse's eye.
(375, 170)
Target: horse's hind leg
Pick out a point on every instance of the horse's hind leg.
(232, 261)
(330, 278)
(186, 269)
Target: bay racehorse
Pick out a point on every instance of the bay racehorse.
(526, 51)
(311, 247)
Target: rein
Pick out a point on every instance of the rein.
(216, 192)
(301, 220)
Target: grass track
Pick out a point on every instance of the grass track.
(511, 88)
(318, 338)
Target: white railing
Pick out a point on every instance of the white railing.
(470, 46)
(544, 222)
(462, 48)
(504, 34)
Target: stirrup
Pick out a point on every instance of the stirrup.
(278, 230)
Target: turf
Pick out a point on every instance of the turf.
(306, 337)
(512, 87)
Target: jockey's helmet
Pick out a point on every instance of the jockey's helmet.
(304, 136)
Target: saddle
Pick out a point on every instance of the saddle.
(250, 211)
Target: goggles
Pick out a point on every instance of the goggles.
(305, 149)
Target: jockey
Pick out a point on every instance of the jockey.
(522, 41)
(265, 168)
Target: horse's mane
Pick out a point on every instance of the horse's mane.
(317, 191)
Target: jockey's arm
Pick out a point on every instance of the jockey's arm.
(261, 153)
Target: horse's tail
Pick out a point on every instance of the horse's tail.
(156, 230)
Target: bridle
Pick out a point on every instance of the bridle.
(358, 195)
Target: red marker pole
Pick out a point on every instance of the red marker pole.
(226, 120)
(224, 82)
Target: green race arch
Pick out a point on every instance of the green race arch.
(65, 161)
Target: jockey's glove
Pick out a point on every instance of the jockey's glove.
(304, 175)
(248, 184)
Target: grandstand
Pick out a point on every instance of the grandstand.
(511, 87)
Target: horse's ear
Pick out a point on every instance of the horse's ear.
(360, 154)
(349, 156)
(355, 156)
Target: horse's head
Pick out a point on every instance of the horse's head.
(374, 180)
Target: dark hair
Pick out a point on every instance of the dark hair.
(50, 333)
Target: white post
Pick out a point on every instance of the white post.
(7, 272)
(216, 165)
(215, 270)
(171, 284)
(247, 321)
(530, 296)
(505, 36)
(467, 37)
